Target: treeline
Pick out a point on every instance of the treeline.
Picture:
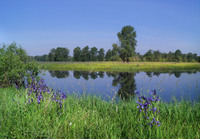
(62, 54)
(124, 51)
(93, 54)
(177, 56)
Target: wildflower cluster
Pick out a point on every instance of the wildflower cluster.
(38, 89)
(148, 109)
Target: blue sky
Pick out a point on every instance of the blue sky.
(39, 25)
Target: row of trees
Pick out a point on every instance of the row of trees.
(93, 54)
(87, 54)
(124, 51)
(176, 56)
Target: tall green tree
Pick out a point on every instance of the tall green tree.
(157, 55)
(115, 49)
(85, 54)
(93, 54)
(178, 55)
(58, 54)
(127, 42)
(52, 54)
(190, 57)
(101, 54)
(198, 59)
(149, 55)
(61, 54)
(108, 55)
(77, 54)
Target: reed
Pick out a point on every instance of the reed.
(89, 116)
(119, 66)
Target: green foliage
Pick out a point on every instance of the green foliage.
(127, 42)
(85, 54)
(52, 54)
(77, 54)
(93, 54)
(108, 55)
(115, 58)
(115, 49)
(101, 54)
(41, 58)
(91, 117)
(59, 54)
(177, 56)
(199, 59)
(15, 65)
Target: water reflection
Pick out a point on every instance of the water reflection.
(124, 84)
(177, 74)
(124, 80)
(59, 74)
(87, 74)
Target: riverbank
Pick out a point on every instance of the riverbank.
(91, 117)
(119, 66)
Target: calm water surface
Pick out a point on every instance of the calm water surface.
(179, 85)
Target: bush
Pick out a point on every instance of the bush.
(15, 65)
(115, 58)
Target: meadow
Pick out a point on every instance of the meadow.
(36, 112)
(119, 66)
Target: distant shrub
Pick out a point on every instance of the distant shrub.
(116, 58)
(15, 65)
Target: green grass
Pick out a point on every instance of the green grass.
(119, 66)
(91, 117)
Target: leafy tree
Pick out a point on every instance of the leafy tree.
(93, 54)
(61, 54)
(52, 54)
(149, 55)
(127, 42)
(15, 65)
(157, 55)
(108, 55)
(171, 57)
(41, 58)
(85, 54)
(77, 54)
(58, 54)
(178, 55)
(190, 57)
(101, 54)
(115, 49)
(198, 59)
(195, 57)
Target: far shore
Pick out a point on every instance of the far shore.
(120, 66)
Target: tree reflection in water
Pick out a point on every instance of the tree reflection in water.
(126, 83)
(124, 80)
(59, 74)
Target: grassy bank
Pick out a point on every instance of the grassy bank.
(119, 66)
(91, 117)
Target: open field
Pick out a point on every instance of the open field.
(91, 117)
(119, 66)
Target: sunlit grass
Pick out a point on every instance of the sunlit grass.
(91, 117)
(119, 66)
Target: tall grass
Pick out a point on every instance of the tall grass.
(119, 66)
(91, 117)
